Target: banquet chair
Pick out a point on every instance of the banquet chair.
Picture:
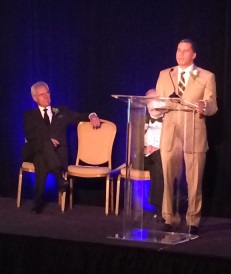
(135, 174)
(29, 167)
(93, 158)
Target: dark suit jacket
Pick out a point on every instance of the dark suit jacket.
(36, 132)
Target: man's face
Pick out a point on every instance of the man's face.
(154, 112)
(42, 96)
(151, 104)
(185, 54)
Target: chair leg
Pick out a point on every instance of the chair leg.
(112, 194)
(62, 196)
(128, 196)
(71, 193)
(63, 201)
(117, 195)
(19, 188)
(59, 199)
(107, 195)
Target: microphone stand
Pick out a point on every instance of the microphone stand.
(173, 95)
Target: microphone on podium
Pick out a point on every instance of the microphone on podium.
(173, 95)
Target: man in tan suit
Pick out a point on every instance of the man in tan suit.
(184, 137)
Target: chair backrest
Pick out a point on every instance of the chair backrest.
(95, 145)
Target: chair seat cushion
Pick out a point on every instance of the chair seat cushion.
(88, 171)
(136, 174)
(28, 165)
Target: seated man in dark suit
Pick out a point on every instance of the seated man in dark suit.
(152, 159)
(45, 133)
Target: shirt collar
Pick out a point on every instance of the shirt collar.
(42, 108)
(187, 70)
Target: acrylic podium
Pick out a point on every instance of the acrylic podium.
(138, 224)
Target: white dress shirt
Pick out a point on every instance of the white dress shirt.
(187, 73)
(49, 112)
(152, 135)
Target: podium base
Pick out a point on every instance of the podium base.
(145, 235)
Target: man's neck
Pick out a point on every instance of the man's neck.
(157, 116)
(191, 67)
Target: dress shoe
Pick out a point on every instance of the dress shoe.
(167, 228)
(36, 209)
(158, 218)
(193, 230)
(63, 186)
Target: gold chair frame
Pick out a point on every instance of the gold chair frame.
(29, 167)
(135, 174)
(94, 149)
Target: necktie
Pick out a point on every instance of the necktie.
(46, 117)
(181, 84)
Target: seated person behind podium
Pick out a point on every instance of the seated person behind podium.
(46, 143)
(152, 159)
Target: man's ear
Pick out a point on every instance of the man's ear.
(35, 99)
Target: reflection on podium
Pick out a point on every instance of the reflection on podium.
(138, 224)
(155, 236)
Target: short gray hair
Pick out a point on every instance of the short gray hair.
(38, 84)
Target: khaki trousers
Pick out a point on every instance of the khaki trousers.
(172, 167)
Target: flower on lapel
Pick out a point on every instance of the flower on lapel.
(194, 74)
(55, 111)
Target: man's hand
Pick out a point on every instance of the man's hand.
(201, 104)
(149, 149)
(95, 121)
(55, 142)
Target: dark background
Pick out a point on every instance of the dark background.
(88, 50)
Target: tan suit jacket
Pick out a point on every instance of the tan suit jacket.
(199, 87)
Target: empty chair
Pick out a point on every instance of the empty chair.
(135, 174)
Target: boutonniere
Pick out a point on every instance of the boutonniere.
(194, 74)
(55, 111)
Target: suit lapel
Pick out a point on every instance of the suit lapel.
(38, 114)
(54, 114)
(191, 79)
(190, 82)
(39, 117)
(175, 78)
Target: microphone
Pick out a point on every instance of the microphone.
(173, 95)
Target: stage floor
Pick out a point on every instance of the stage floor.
(87, 224)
